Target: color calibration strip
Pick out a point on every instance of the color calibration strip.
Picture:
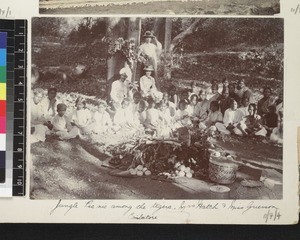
(3, 44)
(15, 106)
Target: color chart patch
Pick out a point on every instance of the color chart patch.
(13, 51)
(3, 45)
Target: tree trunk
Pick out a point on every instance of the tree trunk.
(134, 33)
(158, 29)
(167, 52)
(114, 63)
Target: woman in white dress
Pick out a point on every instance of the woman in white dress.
(148, 87)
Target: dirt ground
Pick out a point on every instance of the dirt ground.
(230, 7)
(71, 170)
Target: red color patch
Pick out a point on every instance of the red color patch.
(2, 108)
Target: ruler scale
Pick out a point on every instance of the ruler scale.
(3, 69)
(16, 98)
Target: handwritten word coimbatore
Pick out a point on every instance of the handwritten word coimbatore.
(141, 216)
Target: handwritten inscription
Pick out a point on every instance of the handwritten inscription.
(296, 9)
(67, 206)
(272, 215)
(153, 211)
(5, 12)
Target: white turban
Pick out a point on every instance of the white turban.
(127, 71)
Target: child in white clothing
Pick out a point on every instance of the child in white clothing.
(152, 115)
(102, 121)
(62, 126)
(81, 117)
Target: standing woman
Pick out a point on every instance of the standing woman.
(150, 50)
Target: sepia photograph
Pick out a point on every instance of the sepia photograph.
(156, 108)
(186, 7)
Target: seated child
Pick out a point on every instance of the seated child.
(214, 116)
(81, 117)
(194, 90)
(152, 116)
(184, 95)
(224, 101)
(102, 120)
(39, 124)
(50, 103)
(62, 126)
(277, 133)
(270, 120)
(173, 97)
(164, 127)
(251, 123)
(225, 84)
(182, 118)
(233, 94)
(124, 115)
(230, 120)
(172, 106)
(142, 113)
(202, 107)
(212, 92)
(191, 108)
(136, 99)
(243, 110)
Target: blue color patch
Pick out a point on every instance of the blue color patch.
(2, 57)
(3, 39)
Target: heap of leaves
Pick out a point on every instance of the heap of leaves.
(161, 155)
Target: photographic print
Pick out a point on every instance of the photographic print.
(188, 7)
(156, 108)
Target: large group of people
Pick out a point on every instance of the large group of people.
(224, 107)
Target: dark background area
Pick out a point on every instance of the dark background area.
(129, 231)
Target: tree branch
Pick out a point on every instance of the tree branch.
(176, 40)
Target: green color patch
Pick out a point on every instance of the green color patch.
(2, 74)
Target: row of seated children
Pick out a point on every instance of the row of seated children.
(162, 118)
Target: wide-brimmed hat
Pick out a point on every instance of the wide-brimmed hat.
(148, 34)
(148, 68)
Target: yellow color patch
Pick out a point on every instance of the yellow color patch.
(2, 91)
